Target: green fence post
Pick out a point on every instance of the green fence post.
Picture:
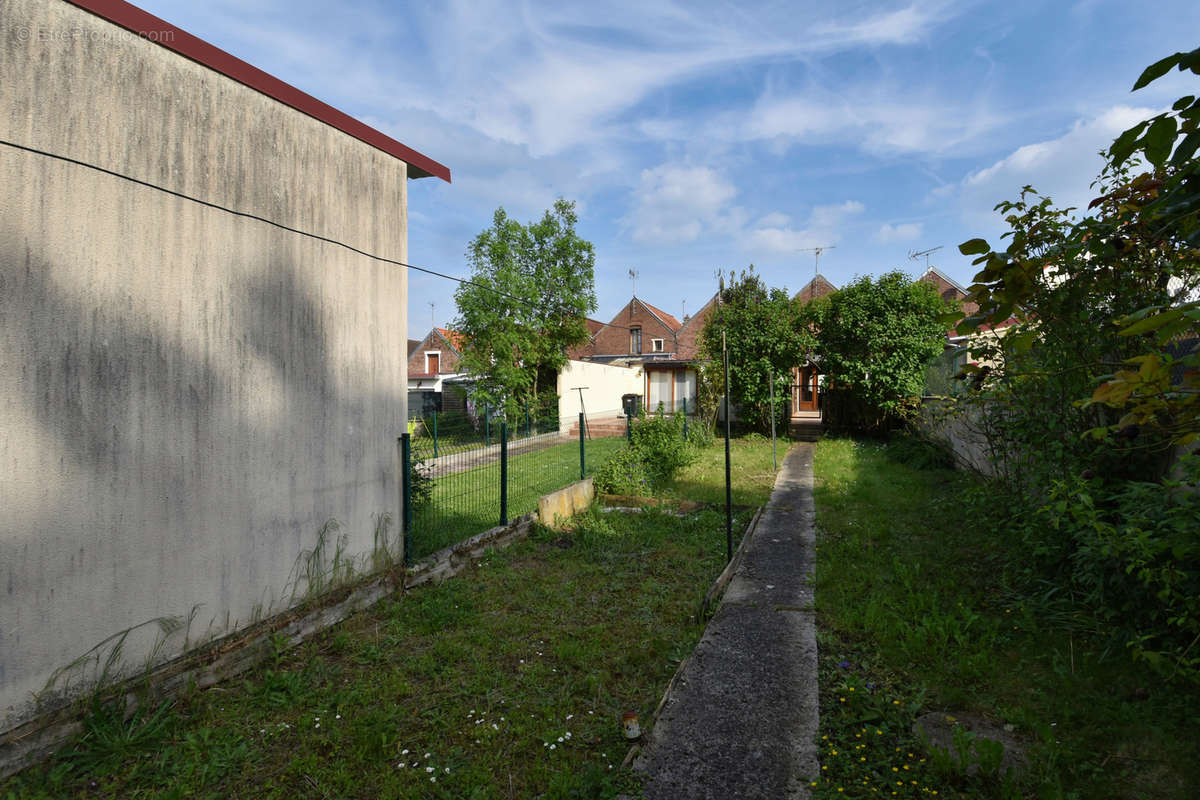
(582, 451)
(406, 482)
(629, 426)
(487, 425)
(503, 473)
(435, 443)
(685, 419)
(528, 428)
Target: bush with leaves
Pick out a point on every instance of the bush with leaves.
(874, 338)
(656, 453)
(1086, 395)
(765, 338)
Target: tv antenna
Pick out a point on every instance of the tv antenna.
(432, 316)
(816, 251)
(915, 254)
(633, 276)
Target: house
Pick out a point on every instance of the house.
(958, 346)
(808, 382)
(665, 349)
(432, 369)
(200, 370)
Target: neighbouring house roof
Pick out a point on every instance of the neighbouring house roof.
(413, 344)
(819, 286)
(147, 26)
(947, 280)
(453, 338)
(663, 317)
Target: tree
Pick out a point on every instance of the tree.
(874, 338)
(531, 288)
(764, 337)
(1134, 262)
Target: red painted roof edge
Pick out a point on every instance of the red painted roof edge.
(150, 27)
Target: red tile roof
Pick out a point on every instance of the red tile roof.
(454, 338)
(667, 319)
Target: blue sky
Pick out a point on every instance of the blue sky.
(696, 137)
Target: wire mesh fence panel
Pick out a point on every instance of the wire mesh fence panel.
(459, 491)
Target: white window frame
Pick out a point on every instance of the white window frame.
(437, 353)
(656, 346)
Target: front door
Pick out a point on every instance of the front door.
(804, 393)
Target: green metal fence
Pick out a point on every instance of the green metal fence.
(465, 483)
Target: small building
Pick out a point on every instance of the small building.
(808, 381)
(432, 370)
(666, 349)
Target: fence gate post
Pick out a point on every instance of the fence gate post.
(406, 483)
(435, 443)
(685, 419)
(528, 427)
(487, 425)
(582, 451)
(629, 426)
(503, 473)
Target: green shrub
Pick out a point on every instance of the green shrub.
(1129, 550)
(656, 453)
(624, 473)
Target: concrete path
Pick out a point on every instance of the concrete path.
(741, 719)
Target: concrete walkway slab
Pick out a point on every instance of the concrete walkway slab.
(741, 719)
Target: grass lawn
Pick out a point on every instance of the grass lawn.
(507, 681)
(752, 473)
(914, 616)
(468, 502)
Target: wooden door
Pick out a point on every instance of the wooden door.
(805, 393)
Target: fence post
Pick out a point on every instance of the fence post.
(685, 419)
(629, 426)
(503, 473)
(774, 457)
(582, 450)
(487, 425)
(406, 483)
(435, 442)
(528, 428)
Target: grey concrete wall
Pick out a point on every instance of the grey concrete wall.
(958, 428)
(186, 396)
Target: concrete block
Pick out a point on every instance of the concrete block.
(566, 502)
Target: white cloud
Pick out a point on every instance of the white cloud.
(676, 203)
(823, 228)
(904, 232)
(774, 220)
(902, 26)
(1061, 168)
(876, 118)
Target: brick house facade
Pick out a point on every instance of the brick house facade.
(430, 364)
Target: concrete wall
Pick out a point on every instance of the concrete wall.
(606, 383)
(957, 427)
(188, 396)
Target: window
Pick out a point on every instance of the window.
(433, 362)
(635, 340)
(656, 345)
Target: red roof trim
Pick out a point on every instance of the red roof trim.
(150, 27)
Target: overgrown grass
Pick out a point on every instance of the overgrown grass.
(915, 615)
(507, 681)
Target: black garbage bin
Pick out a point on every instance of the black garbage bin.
(631, 404)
